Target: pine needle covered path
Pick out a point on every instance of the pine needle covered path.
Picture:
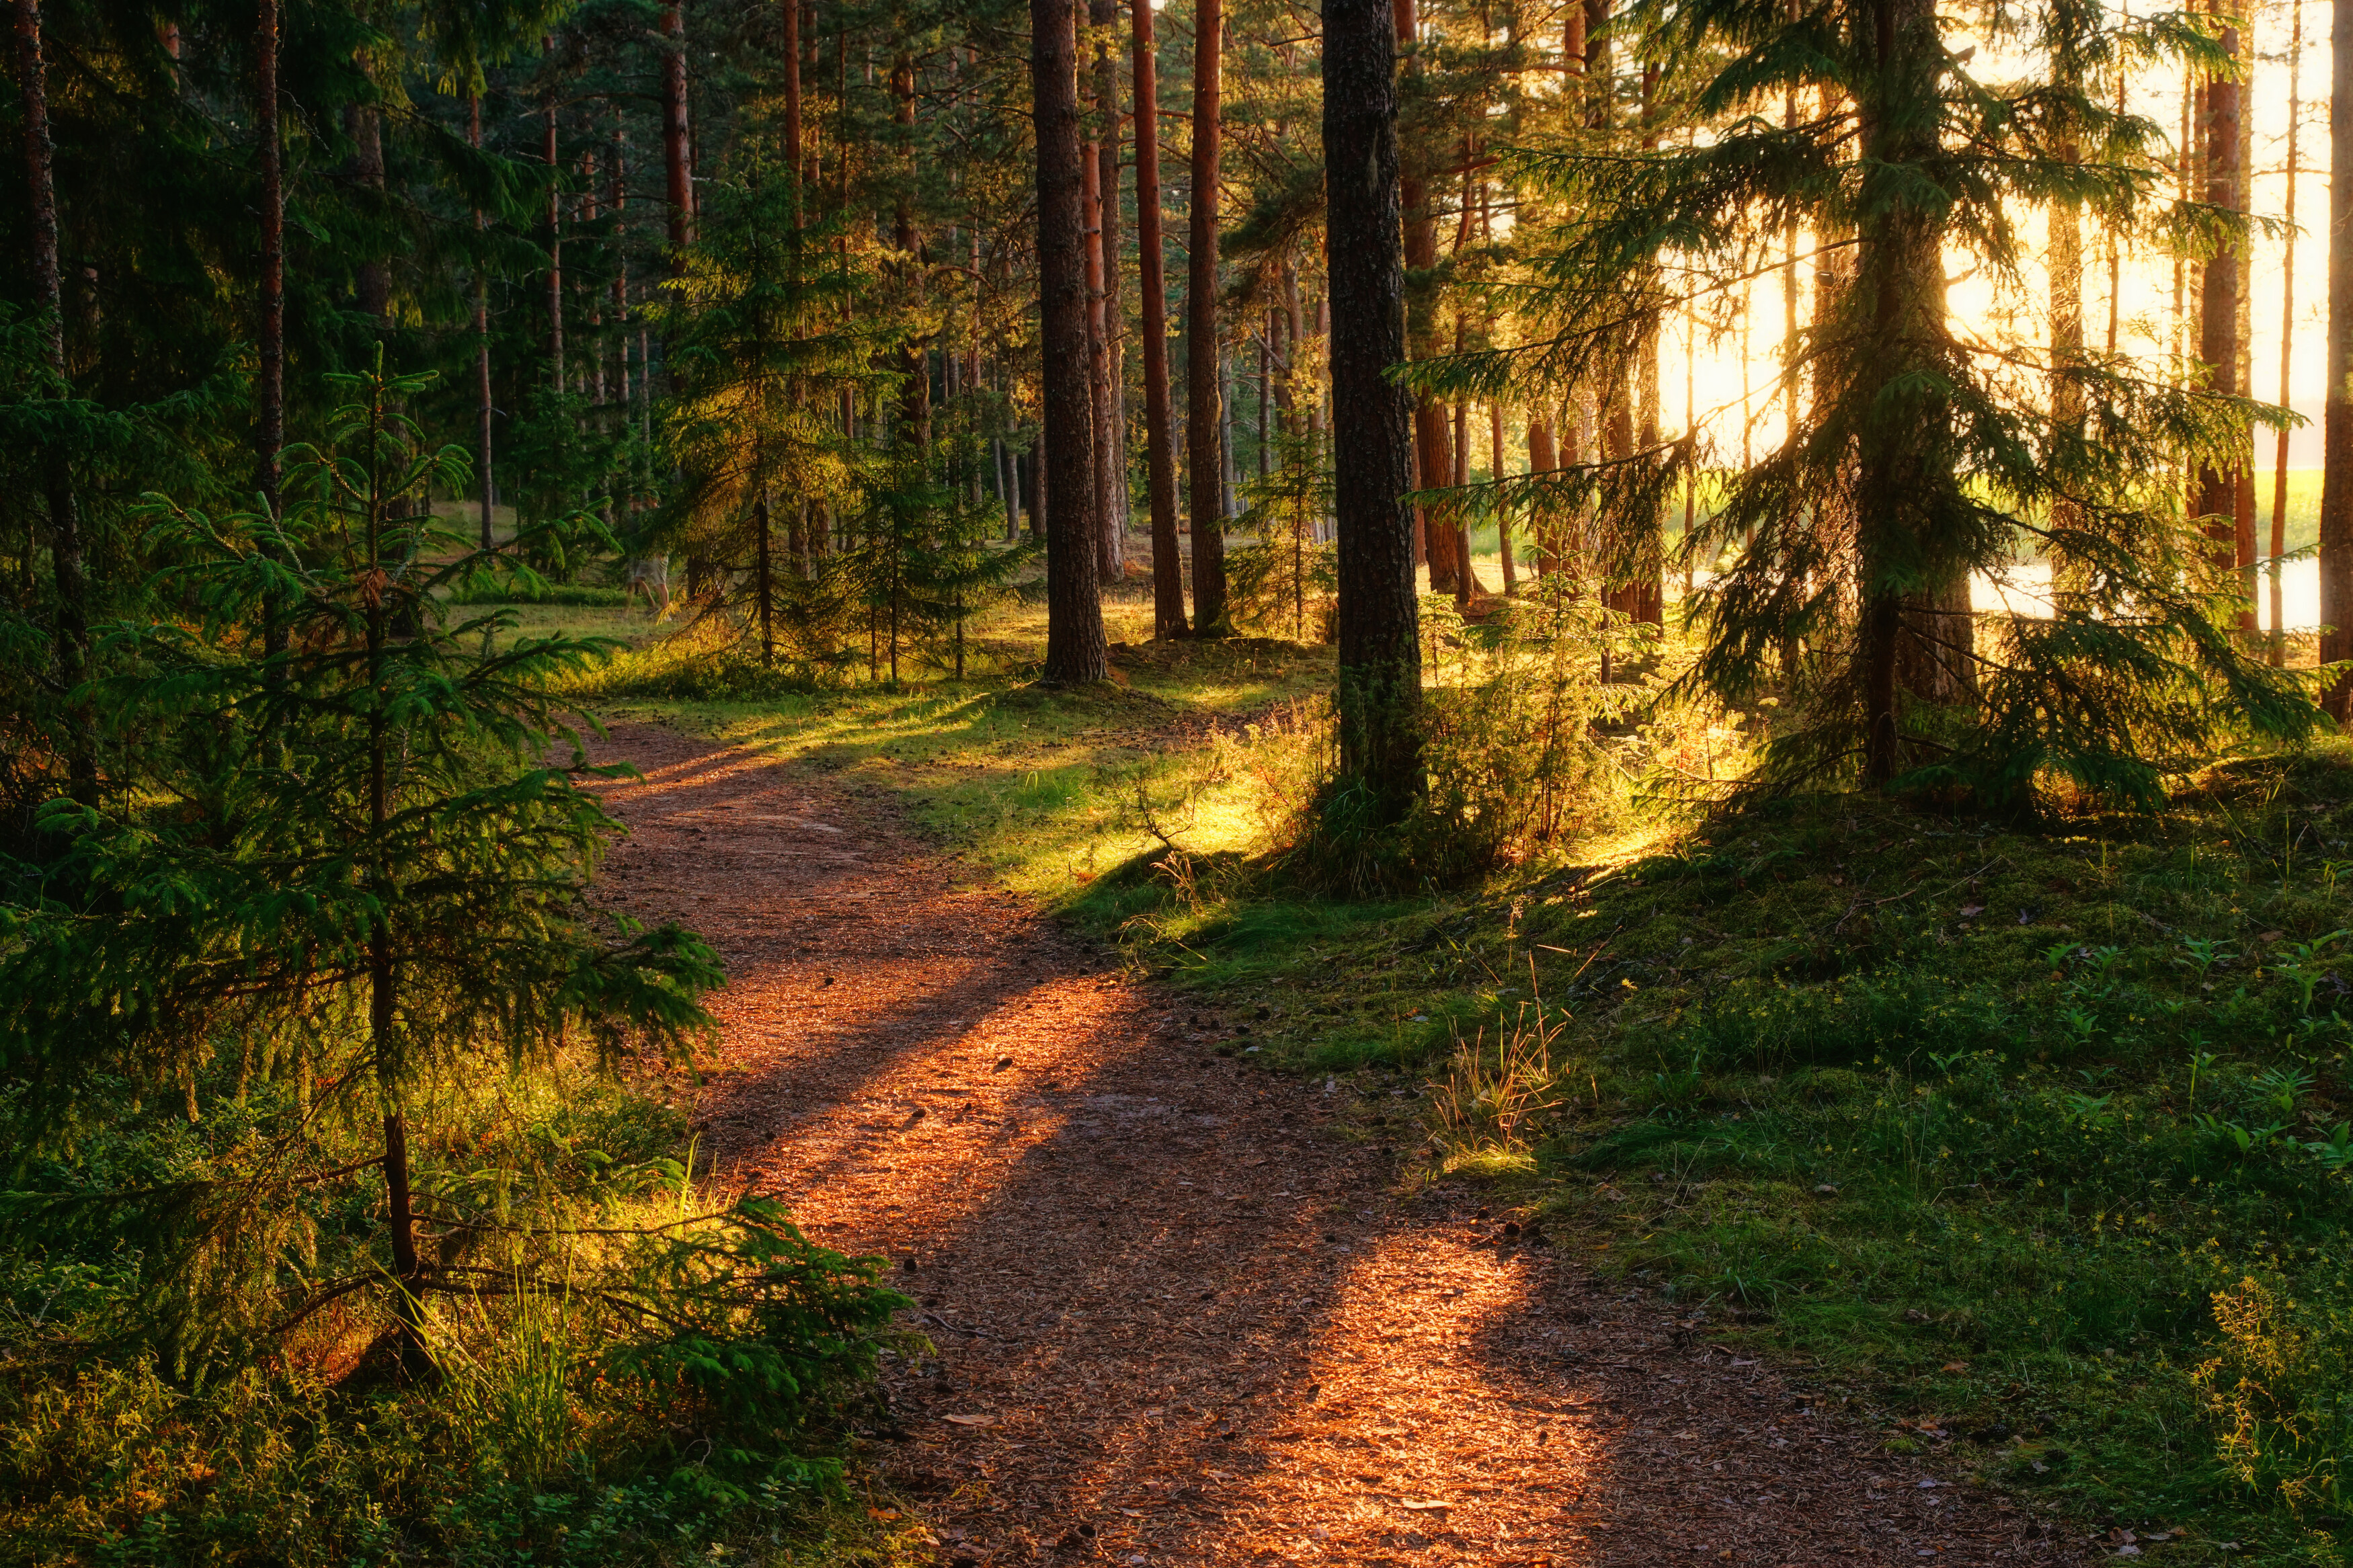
(1177, 1319)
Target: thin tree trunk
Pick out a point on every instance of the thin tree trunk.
(1225, 433)
(483, 403)
(2243, 330)
(2287, 332)
(64, 528)
(383, 976)
(2066, 355)
(1159, 448)
(1433, 457)
(1098, 330)
(2218, 335)
(1541, 460)
(1075, 650)
(1641, 595)
(1503, 517)
(270, 369)
(1379, 629)
(1691, 475)
(677, 172)
(1203, 373)
(766, 585)
(364, 121)
(1110, 412)
(2337, 472)
(914, 357)
(555, 239)
(620, 289)
(792, 18)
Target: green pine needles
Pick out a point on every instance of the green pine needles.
(279, 1024)
(1920, 454)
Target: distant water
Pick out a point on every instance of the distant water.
(2027, 592)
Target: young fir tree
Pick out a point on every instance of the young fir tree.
(1919, 455)
(356, 871)
(922, 565)
(762, 347)
(1286, 581)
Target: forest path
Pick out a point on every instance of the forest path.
(1177, 1319)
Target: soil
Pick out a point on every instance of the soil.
(1180, 1317)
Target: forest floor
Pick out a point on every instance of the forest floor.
(1187, 1311)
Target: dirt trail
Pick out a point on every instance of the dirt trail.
(1179, 1321)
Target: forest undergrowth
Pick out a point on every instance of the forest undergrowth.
(2031, 1143)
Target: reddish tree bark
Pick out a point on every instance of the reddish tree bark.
(1433, 452)
(2337, 472)
(1097, 339)
(2217, 499)
(1159, 443)
(792, 15)
(677, 170)
(269, 368)
(1541, 460)
(914, 357)
(1204, 375)
(2287, 333)
(1110, 410)
(1075, 650)
(483, 402)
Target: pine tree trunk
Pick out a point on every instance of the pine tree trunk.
(2244, 333)
(269, 367)
(766, 584)
(2217, 499)
(364, 121)
(1099, 328)
(1647, 592)
(2287, 333)
(1225, 435)
(1433, 453)
(1203, 372)
(483, 402)
(915, 356)
(1159, 446)
(2336, 470)
(1110, 410)
(1901, 261)
(2066, 249)
(383, 974)
(791, 10)
(1075, 650)
(1379, 630)
(57, 476)
(1503, 516)
(1541, 460)
(677, 170)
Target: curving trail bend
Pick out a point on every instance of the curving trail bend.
(1179, 1321)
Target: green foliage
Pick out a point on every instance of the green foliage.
(693, 1400)
(308, 1048)
(1509, 746)
(1288, 580)
(1919, 455)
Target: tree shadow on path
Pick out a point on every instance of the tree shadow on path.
(1179, 1319)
